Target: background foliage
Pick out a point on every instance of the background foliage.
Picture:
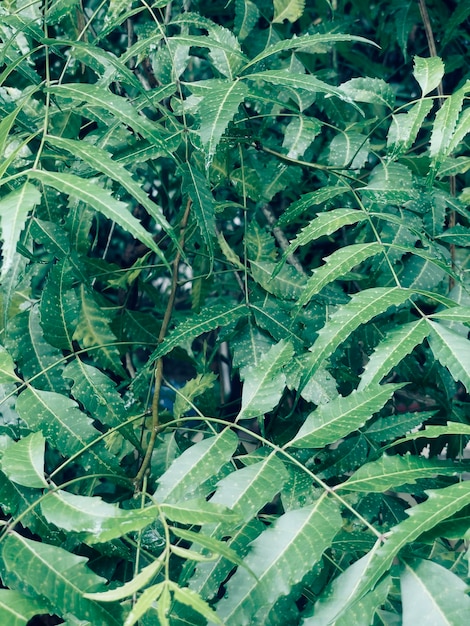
(235, 362)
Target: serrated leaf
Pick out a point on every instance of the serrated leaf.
(405, 127)
(16, 609)
(445, 123)
(195, 465)
(452, 350)
(320, 42)
(132, 586)
(191, 390)
(197, 187)
(188, 330)
(101, 160)
(394, 471)
(93, 332)
(440, 505)
(118, 106)
(194, 600)
(98, 198)
(454, 314)
(217, 108)
(286, 284)
(371, 90)
(197, 512)
(306, 201)
(390, 183)
(229, 59)
(23, 461)
(336, 265)
(246, 16)
(279, 557)
(324, 224)
(215, 546)
(431, 594)
(286, 78)
(290, 10)
(65, 427)
(428, 72)
(14, 210)
(456, 235)
(299, 134)
(349, 150)
(156, 593)
(97, 520)
(341, 416)
(362, 307)
(398, 343)
(265, 382)
(46, 571)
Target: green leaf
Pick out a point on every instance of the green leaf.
(196, 186)
(280, 557)
(7, 367)
(290, 10)
(46, 571)
(431, 594)
(299, 134)
(286, 284)
(14, 209)
(432, 432)
(188, 330)
(23, 461)
(194, 600)
(264, 383)
(65, 427)
(216, 109)
(286, 78)
(59, 306)
(324, 224)
(17, 609)
(445, 124)
(428, 72)
(102, 161)
(118, 106)
(191, 390)
(320, 196)
(246, 17)
(156, 593)
(93, 332)
(100, 199)
(336, 265)
(440, 505)
(132, 586)
(405, 127)
(97, 520)
(390, 183)
(194, 466)
(398, 343)
(452, 350)
(393, 471)
(371, 90)
(349, 150)
(341, 416)
(213, 545)
(362, 307)
(197, 512)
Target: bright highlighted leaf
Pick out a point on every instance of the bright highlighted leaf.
(14, 209)
(280, 557)
(431, 594)
(288, 10)
(428, 72)
(17, 609)
(23, 461)
(7, 367)
(452, 350)
(341, 416)
(264, 383)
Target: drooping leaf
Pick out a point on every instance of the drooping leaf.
(212, 317)
(265, 382)
(23, 461)
(100, 199)
(17, 609)
(432, 432)
(337, 264)
(197, 187)
(290, 10)
(279, 557)
(14, 209)
(440, 505)
(452, 350)
(390, 351)
(428, 72)
(286, 78)
(93, 332)
(432, 594)
(46, 571)
(194, 466)
(341, 416)
(96, 520)
(66, 428)
(393, 471)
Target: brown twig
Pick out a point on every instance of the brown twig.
(159, 364)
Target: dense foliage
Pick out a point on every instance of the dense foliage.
(235, 298)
